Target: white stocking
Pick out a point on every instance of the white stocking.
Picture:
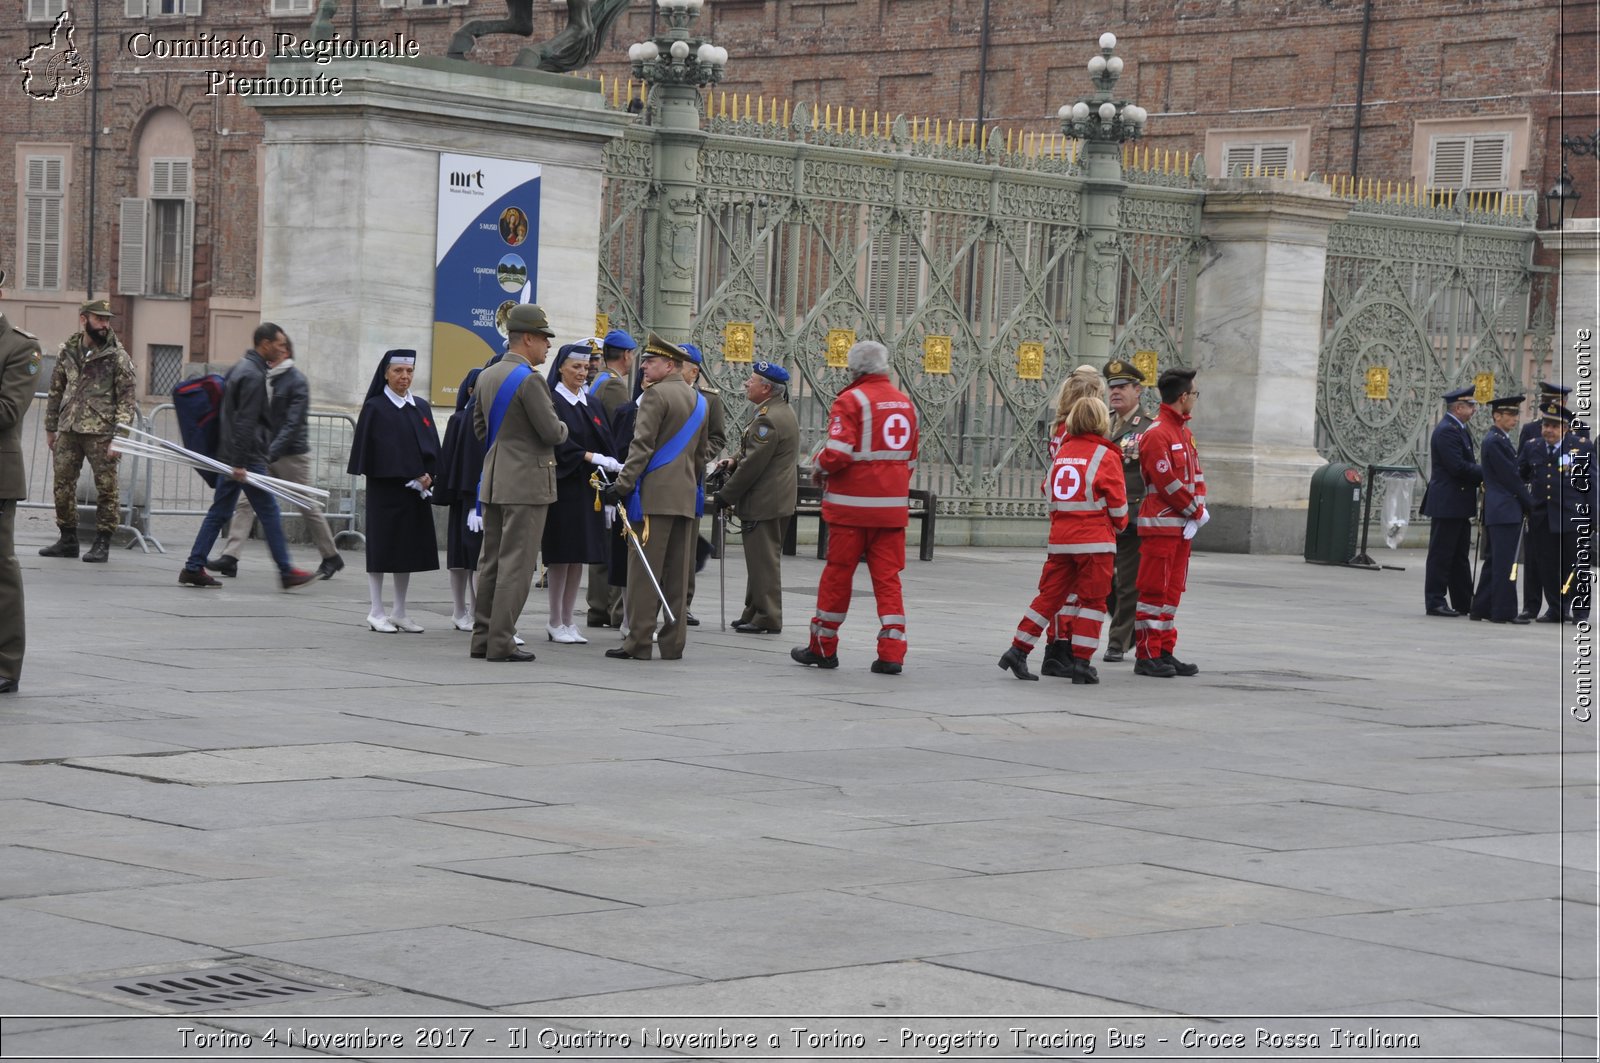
(557, 581)
(569, 597)
(402, 582)
(375, 589)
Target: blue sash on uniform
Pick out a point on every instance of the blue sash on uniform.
(601, 379)
(670, 450)
(497, 413)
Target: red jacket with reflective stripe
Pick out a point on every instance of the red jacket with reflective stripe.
(870, 455)
(1088, 496)
(1175, 487)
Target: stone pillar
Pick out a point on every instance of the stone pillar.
(1578, 312)
(1257, 330)
(350, 202)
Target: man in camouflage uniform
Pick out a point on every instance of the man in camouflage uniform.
(19, 376)
(1124, 383)
(91, 392)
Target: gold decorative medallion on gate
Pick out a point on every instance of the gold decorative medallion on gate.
(1147, 362)
(739, 342)
(1377, 382)
(936, 354)
(1483, 388)
(602, 324)
(840, 340)
(1030, 361)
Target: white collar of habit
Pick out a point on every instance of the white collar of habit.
(399, 401)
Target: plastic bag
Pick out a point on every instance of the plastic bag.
(1397, 489)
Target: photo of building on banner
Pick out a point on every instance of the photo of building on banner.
(486, 261)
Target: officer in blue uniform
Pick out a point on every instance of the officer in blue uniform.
(1505, 503)
(1450, 501)
(1533, 432)
(1559, 467)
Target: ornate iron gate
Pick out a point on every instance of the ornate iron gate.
(1419, 300)
(965, 260)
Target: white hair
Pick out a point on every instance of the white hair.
(868, 356)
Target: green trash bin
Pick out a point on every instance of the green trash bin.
(1334, 515)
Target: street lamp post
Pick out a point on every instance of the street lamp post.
(1564, 194)
(676, 64)
(1103, 123)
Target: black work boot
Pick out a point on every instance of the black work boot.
(1180, 667)
(1017, 661)
(1082, 672)
(1057, 658)
(100, 552)
(66, 546)
(807, 656)
(1155, 667)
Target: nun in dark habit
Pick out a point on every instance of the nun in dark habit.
(396, 447)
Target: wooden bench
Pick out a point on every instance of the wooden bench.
(808, 503)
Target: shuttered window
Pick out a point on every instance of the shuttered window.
(895, 261)
(1477, 163)
(1263, 159)
(291, 7)
(156, 256)
(45, 194)
(45, 10)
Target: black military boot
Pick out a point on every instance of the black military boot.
(1057, 659)
(66, 546)
(1017, 662)
(100, 551)
(1082, 672)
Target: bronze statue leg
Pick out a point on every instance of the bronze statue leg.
(520, 23)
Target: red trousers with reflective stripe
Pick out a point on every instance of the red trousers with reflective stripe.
(885, 551)
(1073, 590)
(1163, 574)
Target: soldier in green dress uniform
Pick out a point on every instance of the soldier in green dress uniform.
(761, 492)
(19, 376)
(1124, 383)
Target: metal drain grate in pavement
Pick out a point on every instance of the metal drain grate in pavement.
(217, 987)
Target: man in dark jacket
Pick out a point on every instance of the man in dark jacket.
(1506, 502)
(243, 443)
(1557, 465)
(1450, 502)
(288, 458)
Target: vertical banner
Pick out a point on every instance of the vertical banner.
(486, 261)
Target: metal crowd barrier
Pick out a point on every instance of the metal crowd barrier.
(132, 515)
(177, 491)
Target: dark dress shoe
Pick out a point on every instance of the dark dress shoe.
(224, 565)
(514, 657)
(1548, 618)
(197, 578)
(803, 655)
(329, 566)
(1017, 661)
(1443, 610)
(617, 653)
(1112, 656)
(882, 667)
(1475, 616)
(689, 618)
(8, 686)
(1525, 615)
(1512, 620)
(752, 629)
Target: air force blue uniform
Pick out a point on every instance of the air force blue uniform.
(1505, 502)
(1450, 501)
(1560, 479)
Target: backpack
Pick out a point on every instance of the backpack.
(198, 405)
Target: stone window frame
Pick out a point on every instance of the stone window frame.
(1221, 142)
(291, 8)
(153, 227)
(1513, 130)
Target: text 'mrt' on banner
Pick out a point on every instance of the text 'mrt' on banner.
(486, 261)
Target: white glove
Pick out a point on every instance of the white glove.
(1189, 528)
(416, 485)
(474, 520)
(610, 515)
(1202, 519)
(608, 463)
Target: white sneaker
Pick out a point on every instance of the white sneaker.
(462, 623)
(575, 636)
(379, 623)
(406, 624)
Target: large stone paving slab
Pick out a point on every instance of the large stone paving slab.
(38, 944)
(476, 968)
(1115, 900)
(1289, 825)
(336, 760)
(1263, 970)
(767, 935)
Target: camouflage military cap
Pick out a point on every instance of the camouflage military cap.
(1117, 369)
(99, 307)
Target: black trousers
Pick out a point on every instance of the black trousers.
(1449, 571)
(1496, 598)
